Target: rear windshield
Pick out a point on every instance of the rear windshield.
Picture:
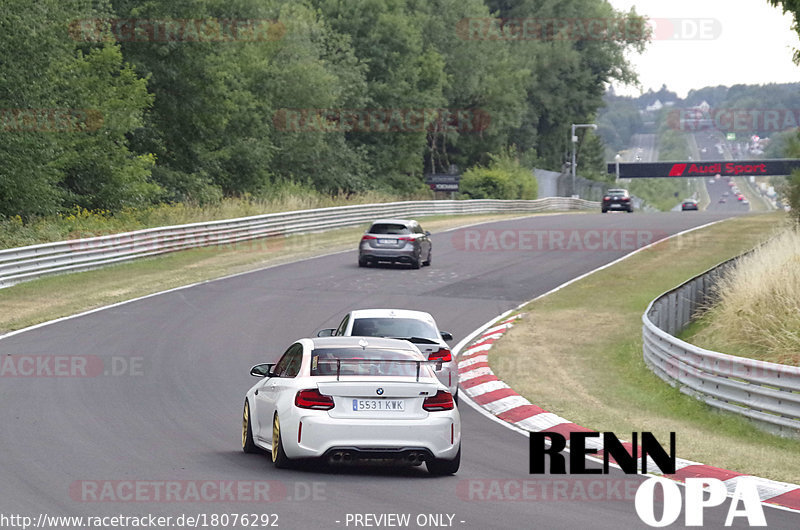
(393, 328)
(617, 193)
(359, 361)
(387, 228)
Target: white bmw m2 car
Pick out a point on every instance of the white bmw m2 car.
(352, 400)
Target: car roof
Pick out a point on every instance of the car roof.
(617, 190)
(392, 313)
(358, 342)
(406, 222)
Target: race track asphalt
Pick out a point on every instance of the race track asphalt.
(176, 415)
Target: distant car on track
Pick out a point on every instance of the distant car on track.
(417, 327)
(689, 204)
(617, 199)
(397, 241)
(352, 400)
(721, 200)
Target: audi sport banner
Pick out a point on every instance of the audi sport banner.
(726, 168)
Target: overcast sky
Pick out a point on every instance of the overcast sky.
(721, 42)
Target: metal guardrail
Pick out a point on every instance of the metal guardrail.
(766, 393)
(31, 262)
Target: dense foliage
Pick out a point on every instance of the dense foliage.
(113, 104)
(504, 178)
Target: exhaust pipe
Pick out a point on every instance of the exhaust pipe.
(415, 458)
(347, 457)
(336, 457)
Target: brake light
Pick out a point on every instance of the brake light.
(365, 238)
(442, 355)
(626, 198)
(443, 400)
(312, 399)
(606, 198)
(405, 239)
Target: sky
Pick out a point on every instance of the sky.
(720, 42)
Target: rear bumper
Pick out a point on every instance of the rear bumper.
(437, 436)
(617, 206)
(356, 455)
(401, 254)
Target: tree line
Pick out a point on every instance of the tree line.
(125, 103)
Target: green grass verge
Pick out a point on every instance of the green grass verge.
(47, 298)
(81, 223)
(578, 354)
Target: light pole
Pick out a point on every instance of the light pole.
(617, 159)
(574, 142)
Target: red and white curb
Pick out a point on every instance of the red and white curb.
(480, 384)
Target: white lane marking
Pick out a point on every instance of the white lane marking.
(485, 388)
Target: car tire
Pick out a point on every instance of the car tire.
(248, 445)
(445, 467)
(427, 262)
(363, 262)
(604, 211)
(279, 457)
(630, 211)
(415, 263)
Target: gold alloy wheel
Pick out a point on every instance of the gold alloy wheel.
(276, 436)
(245, 423)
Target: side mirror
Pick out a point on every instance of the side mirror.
(427, 233)
(262, 370)
(328, 332)
(446, 336)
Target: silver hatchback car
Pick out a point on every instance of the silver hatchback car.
(397, 241)
(417, 327)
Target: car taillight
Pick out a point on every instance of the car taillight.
(312, 399)
(626, 198)
(606, 198)
(405, 239)
(365, 238)
(442, 355)
(443, 400)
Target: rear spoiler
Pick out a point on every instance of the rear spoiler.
(339, 362)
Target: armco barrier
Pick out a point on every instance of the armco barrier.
(27, 263)
(766, 393)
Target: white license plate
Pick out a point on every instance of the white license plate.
(364, 405)
(387, 242)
